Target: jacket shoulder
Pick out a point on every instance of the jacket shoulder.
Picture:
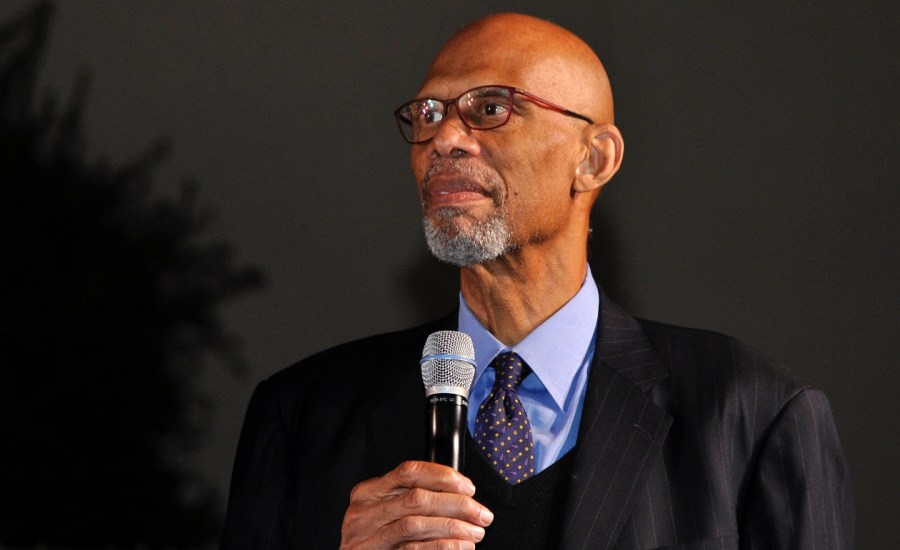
(691, 351)
(712, 375)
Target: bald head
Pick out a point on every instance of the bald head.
(530, 53)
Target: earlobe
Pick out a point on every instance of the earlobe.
(602, 161)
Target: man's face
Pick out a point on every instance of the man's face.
(488, 192)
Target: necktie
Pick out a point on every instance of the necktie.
(502, 431)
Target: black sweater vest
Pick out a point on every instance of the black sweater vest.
(526, 516)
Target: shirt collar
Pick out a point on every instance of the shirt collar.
(555, 350)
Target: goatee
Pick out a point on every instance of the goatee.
(486, 239)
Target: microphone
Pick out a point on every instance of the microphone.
(448, 369)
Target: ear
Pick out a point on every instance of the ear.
(602, 159)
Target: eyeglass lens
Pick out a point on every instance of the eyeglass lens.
(482, 109)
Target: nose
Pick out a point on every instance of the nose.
(453, 137)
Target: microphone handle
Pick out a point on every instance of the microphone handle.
(446, 414)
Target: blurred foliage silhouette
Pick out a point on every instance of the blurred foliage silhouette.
(108, 311)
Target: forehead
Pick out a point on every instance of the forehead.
(528, 53)
(459, 70)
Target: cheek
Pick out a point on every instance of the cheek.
(540, 184)
(543, 171)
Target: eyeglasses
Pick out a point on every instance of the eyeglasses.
(482, 108)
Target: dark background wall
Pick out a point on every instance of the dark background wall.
(758, 195)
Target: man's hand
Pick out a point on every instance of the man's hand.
(416, 505)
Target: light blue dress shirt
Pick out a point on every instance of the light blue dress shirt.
(559, 352)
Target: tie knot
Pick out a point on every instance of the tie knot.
(510, 371)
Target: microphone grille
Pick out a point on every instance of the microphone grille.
(448, 360)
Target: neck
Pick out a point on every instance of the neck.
(514, 294)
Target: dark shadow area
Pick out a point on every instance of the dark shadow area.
(431, 287)
(603, 255)
(109, 311)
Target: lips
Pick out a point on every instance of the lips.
(452, 189)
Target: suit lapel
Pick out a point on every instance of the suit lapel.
(620, 433)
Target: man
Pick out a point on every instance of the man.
(632, 434)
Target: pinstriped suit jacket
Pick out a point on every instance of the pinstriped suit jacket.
(688, 440)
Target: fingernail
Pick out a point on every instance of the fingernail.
(486, 516)
(470, 487)
(476, 532)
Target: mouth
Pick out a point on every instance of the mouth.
(443, 190)
(452, 189)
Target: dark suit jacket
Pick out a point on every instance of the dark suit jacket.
(688, 440)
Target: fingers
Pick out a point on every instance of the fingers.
(422, 489)
(409, 529)
(422, 511)
(416, 505)
(440, 545)
(412, 474)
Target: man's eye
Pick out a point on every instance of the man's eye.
(425, 114)
(429, 117)
(491, 108)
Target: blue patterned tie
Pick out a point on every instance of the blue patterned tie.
(502, 431)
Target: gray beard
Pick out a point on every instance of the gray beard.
(486, 240)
